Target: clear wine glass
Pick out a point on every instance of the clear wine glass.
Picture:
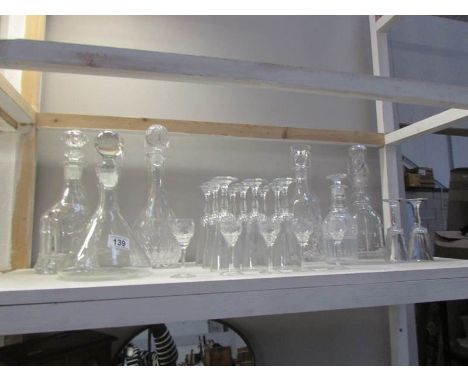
(231, 228)
(302, 229)
(183, 231)
(396, 250)
(420, 246)
(269, 229)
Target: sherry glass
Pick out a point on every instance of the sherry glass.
(183, 231)
(219, 254)
(206, 189)
(269, 229)
(231, 228)
(420, 246)
(396, 250)
(302, 229)
(286, 253)
(255, 248)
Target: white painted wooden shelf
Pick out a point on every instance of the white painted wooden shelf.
(50, 56)
(32, 303)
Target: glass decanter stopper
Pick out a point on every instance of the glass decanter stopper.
(305, 204)
(109, 250)
(153, 226)
(62, 226)
(369, 223)
(339, 226)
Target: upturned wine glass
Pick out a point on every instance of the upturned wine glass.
(395, 246)
(183, 231)
(231, 228)
(420, 246)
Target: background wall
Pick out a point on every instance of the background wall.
(322, 42)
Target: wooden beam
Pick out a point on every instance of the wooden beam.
(31, 81)
(383, 23)
(97, 60)
(429, 125)
(22, 222)
(209, 128)
(13, 104)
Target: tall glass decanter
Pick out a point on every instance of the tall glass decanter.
(62, 226)
(153, 226)
(305, 204)
(109, 249)
(339, 226)
(369, 223)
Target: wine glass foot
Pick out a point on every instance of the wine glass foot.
(183, 275)
(231, 273)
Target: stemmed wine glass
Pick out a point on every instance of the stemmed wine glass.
(269, 229)
(231, 228)
(302, 229)
(183, 231)
(420, 247)
(395, 247)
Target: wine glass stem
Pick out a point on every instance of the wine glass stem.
(232, 265)
(301, 255)
(336, 245)
(417, 213)
(183, 251)
(270, 258)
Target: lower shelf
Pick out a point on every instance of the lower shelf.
(31, 303)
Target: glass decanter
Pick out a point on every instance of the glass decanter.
(339, 226)
(305, 204)
(109, 250)
(369, 223)
(152, 228)
(62, 226)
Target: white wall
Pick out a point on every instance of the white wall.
(333, 43)
(429, 48)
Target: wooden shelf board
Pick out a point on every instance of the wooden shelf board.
(36, 303)
(108, 61)
(210, 128)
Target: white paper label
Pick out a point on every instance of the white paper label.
(118, 242)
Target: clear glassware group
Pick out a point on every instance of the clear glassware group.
(237, 233)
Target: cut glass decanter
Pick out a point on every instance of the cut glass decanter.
(109, 249)
(153, 226)
(62, 226)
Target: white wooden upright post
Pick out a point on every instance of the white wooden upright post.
(401, 317)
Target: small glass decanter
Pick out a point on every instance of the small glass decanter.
(305, 204)
(369, 223)
(109, 250)
(339, 226)
(62, 226)
(153, 226)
